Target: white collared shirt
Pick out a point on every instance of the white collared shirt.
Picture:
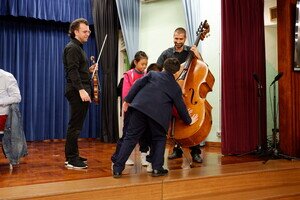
(9, 91)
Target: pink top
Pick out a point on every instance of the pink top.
(129, 78)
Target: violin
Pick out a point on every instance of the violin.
(195, 80)
(95, 81)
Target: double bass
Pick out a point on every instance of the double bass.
(195, 80)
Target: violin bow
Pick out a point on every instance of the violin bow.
(100, 53)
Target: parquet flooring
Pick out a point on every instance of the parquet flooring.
(45, 162)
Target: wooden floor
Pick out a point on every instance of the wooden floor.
(44, 168)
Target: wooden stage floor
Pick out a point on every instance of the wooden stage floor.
(45, 165)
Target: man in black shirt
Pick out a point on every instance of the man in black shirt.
(78, 89)
(181, 51)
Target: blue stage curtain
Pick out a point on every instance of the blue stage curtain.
(56, 10)
(32, 50)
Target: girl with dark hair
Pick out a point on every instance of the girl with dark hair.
(137, 71)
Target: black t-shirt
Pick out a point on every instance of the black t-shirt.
(171, 53)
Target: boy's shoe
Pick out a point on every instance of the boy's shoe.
(159, 172)
(149, 168)
(76, 164)
(129, 162)
(197, 158)
(80, 158)
(175, 154)
(143, 159)
(117, 174)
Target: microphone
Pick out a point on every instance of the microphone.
(277, 78)
(256, 77)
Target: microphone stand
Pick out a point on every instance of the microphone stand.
(259, 149)
(274, 152)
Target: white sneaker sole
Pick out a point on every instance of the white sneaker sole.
(149, 168)
(129, 162)
(75, 167)
(145, 164)
(66, 162)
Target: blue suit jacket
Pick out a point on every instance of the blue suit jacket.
(155, 94)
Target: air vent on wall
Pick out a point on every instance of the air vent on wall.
(273, 14)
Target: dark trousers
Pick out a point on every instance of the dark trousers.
(138, 124)
(78, 111)
(144, 141)
(120, 141)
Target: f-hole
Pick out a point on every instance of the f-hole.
(192, 96)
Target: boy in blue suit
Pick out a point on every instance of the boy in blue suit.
(150, 101)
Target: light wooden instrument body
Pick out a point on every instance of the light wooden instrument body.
(198, 82)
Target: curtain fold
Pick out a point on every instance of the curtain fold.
(56, 10)
(106, 22)
(192, 19)
(243, 54)
(32, 51)
(129, 16)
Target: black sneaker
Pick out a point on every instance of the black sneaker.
(80, 158)
(83, 159)
(76, 164)
(197, 158)
(117, 174)
(160, 172)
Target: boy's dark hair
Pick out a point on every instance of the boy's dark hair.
(75, 26)
(154, 67)
(172, 65)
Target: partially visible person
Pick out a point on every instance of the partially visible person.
(138, 66)
(151, 100)
(181, 52)
(146, 138)
(78, 89)
(154, 67)
(11, 125)
(9, 94)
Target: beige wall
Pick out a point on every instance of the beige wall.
(271, 60)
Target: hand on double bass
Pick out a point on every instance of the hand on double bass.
(194, 117)
(195, 51)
